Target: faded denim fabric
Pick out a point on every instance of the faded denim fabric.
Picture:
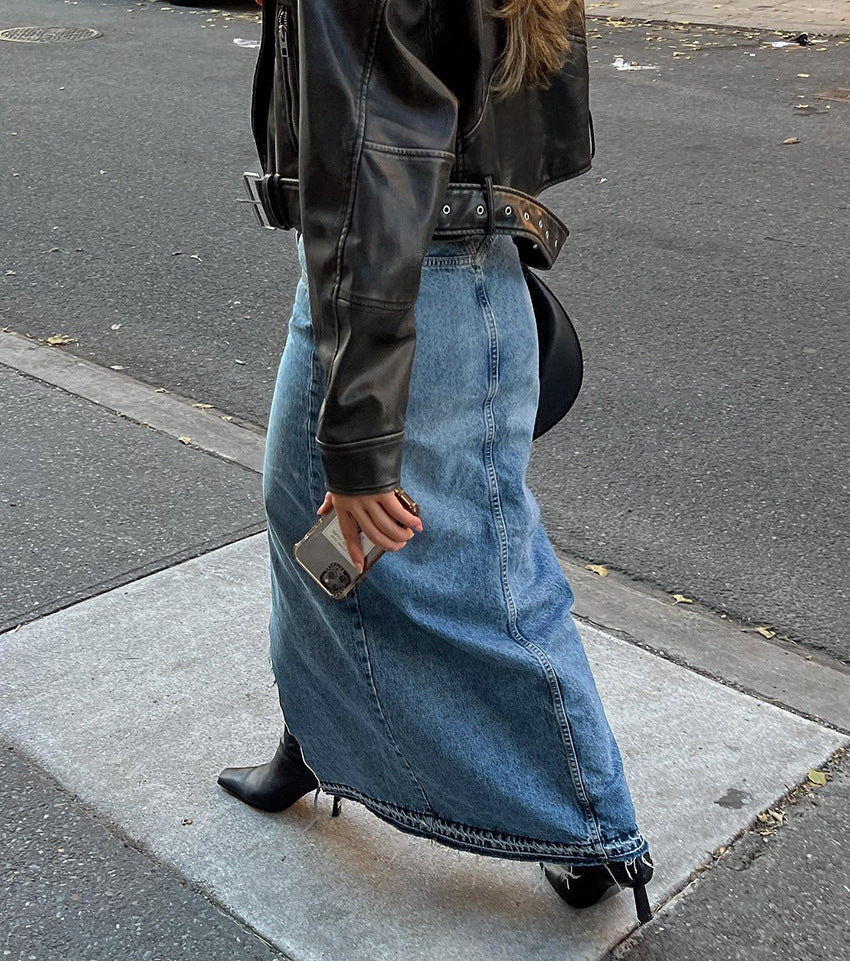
(449, 692)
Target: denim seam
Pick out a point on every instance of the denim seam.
(316, 479)
(360, 629)
(484, 840)
(476, 249)
(464, 259)
(460, 260)
(538, 653)
(482, 247)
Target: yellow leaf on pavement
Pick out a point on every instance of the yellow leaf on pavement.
(597, 569)
(58, 340)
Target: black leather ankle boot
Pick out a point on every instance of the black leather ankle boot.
(276, 785)
(582, 886)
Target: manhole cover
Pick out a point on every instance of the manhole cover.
(835, 93)
(49, 34)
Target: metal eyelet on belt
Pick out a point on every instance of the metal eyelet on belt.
(539, 223)
(526, 215)
(508, 210)
(447, 208)
(480, 209)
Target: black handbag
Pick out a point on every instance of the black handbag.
(560, 361)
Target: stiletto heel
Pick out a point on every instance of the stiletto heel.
(644, 912)
(586, 885)
(337, 807)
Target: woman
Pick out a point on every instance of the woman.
(448, 692)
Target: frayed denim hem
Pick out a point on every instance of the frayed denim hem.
(490, 843)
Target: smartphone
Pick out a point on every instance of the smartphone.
(322, 552)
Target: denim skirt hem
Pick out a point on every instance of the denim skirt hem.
(465, 837)
(449, 693)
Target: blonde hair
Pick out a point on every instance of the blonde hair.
(537, 41)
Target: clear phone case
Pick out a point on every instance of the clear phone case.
(322, 552)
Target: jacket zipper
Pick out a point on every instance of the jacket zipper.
(283, 32)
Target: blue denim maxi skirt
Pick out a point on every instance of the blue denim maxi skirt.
(449, 692)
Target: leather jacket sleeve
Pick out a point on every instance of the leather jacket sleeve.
(376, 146)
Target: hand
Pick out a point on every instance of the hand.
(381, 517)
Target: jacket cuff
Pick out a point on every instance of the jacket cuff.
(370, 466)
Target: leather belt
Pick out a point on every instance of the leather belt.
(468, 210)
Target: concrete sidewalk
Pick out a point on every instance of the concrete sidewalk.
(171, 682)
(813, 16)
(132, 695)
(149, 673)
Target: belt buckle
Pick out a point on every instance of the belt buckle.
(252, 186)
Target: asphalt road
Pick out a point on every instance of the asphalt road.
(779, 893)
(73, 887)
(706, 273)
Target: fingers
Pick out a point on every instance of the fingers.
(348, 526)
(383, 530)
(382, 518)
(393, 506)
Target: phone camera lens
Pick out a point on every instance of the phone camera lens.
(335, 578)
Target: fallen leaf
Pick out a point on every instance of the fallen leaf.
(226, 416)
(203, 406)
(185, 440)
(817, 777)
(597, 569)
(115, 327)
(241, 362)
(161, 390)
(791, 140)
(58, 340)
(803, 74)
(195, 257)
(117, 367)
(765, 631)
(681, 599)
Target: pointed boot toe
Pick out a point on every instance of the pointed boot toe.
(273, 786)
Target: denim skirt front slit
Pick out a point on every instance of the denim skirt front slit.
(449, 692)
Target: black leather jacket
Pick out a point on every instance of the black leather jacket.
(365, 111)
